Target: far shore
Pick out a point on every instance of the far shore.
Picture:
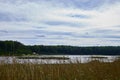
(43, 57)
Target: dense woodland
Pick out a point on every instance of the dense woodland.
(13, 48)
(16, 48)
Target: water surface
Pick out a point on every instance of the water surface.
(72, 58)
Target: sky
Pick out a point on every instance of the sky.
(61, 22)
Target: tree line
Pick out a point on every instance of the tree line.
(17, 48)
(13, 48)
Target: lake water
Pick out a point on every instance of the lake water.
(72, 58)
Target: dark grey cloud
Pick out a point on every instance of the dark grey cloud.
(111, 36)
(8, 17)
(35, 34)
(106, 31)
(3, 31)
(41, 36)
(79, 16)
(39, 27)
(62, 23)
(99, 36)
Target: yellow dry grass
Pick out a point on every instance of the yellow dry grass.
(94, 70)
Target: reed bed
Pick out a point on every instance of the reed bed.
(93, 70)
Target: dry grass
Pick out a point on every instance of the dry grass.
(94, 70)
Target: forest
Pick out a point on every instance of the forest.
(10, 48)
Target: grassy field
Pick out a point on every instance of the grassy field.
(94, 70)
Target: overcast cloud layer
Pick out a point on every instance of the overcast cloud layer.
(61, 22)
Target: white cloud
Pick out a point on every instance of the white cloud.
(108, 17)
(86, 27)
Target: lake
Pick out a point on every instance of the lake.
(72, 59)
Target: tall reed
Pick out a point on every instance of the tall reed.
(93, 70)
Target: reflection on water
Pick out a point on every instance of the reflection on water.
(72, 59)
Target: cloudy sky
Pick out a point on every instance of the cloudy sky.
(61, 22)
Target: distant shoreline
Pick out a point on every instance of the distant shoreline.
(14, 48)
(35, 57)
